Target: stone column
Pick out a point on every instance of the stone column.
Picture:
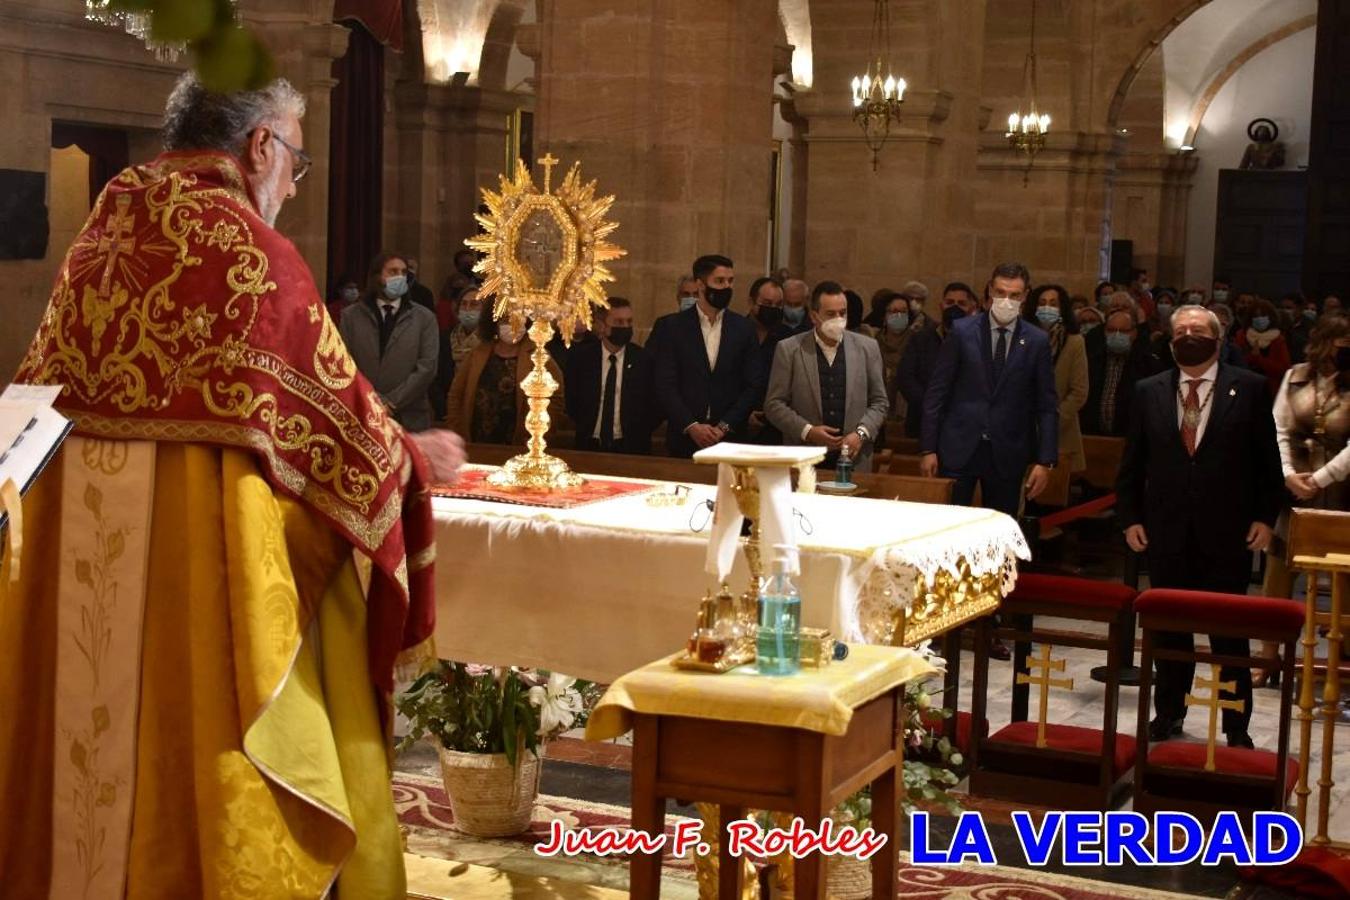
(669, 107)
(304, 41)
(1149, 208)
(450, 141)
(913, 217)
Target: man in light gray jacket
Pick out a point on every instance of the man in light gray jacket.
(826, 387)
(394, 342)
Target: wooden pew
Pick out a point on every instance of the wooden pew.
(622, 465)
(904, 464)
(1102, 455)
(663, 468)
(885, 486)
(899, 443)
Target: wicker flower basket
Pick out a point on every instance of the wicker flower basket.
(487, 796)
(848, 878)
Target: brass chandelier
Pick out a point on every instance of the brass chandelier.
(1027, 129)
(877, 93)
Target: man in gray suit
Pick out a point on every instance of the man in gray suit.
(826, 386)
(394, 342)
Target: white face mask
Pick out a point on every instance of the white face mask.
(833, 329)
(1005, 310)
(506, 333)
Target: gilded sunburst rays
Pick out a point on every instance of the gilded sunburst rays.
(544, 252)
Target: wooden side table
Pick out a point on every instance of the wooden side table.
(742, 766)
(798, 745)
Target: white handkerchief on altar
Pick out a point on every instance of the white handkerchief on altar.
(773, 470)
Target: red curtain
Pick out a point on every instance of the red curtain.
(382, 18)
(356, 155)
(108, 150)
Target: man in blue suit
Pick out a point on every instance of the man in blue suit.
(708, 372)
(991, 409)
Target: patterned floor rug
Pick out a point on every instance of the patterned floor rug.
(424, 810)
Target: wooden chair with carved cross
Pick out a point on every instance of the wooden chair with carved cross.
(1204, 778)
(1039, 761)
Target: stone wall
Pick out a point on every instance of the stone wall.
(57, 66)
(668, 104)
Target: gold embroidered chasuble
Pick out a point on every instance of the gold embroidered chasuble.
(193, 681)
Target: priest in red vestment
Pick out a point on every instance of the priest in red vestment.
(224, 561)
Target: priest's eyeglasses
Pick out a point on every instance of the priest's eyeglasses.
(303, 161)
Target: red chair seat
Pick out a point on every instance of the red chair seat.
(1071, 591)
(1073, 738)
(960, 734)
(1229, 760)
(1267, 618)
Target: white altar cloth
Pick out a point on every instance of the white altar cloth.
(601, 589)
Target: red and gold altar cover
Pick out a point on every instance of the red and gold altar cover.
(180, 315)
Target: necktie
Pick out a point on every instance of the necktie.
(386, 325)
(607, 407)
(1190, 415)
(1000, 353)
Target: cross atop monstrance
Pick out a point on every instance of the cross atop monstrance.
(543, 256)
(548, 161)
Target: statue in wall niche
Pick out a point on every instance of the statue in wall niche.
(1264, 152)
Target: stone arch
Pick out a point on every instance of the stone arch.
(501, 34)
(1216, 84)
(795, 16)
(1154, 42)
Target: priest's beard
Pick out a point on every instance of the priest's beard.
(269, 203)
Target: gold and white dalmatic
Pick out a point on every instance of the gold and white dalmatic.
(194, 683)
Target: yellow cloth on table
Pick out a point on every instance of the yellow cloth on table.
(820, 699)
(229, 745)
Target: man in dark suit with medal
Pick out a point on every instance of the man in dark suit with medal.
(1198, 491)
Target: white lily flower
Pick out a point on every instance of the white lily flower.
(559, 704)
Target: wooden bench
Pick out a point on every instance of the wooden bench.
(1102, 455)
(879, 485)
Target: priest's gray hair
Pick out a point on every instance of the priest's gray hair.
(198, 119)
(1192, 309)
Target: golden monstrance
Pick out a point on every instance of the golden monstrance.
(543, 257)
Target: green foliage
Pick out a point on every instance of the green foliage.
(927, 776)
(226, 57)
(478, 709)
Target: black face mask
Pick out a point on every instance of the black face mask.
(951, 314)
(1343, 358)
(718, 298)
(770, 316)
(1193, 349)
(620, 337)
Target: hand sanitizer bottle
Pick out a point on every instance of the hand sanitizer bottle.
(843, 469)
(778, 643)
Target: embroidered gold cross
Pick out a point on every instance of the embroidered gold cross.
(548, 162)
(116, 239)
(1046, 665)
(1215, 704)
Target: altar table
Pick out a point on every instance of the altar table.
(599, 590)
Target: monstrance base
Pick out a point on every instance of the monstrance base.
(531, 473)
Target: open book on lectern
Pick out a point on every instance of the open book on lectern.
(31, 430)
